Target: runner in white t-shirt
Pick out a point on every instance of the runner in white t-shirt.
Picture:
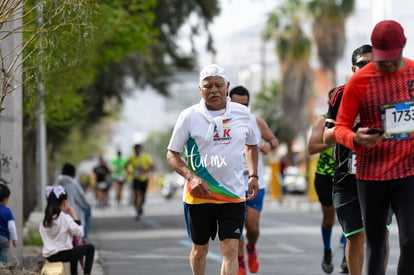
(213, 134)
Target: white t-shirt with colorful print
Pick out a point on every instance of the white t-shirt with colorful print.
(260, 167)
(214, 144)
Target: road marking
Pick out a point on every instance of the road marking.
(211, 255)
(152, 223)
(289, 248)
(139, 234)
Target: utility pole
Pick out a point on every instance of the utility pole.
(41, 124)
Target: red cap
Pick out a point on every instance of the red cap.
(387, 40)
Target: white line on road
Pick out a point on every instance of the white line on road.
(211, 255)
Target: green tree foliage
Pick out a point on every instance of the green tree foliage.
(156, 145)
(89, 49)
(76, 45)
(293, 50)
(83, 51)
(272, 113)
(136, 40)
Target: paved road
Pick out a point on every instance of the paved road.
(290, 242)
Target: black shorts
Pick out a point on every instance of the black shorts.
(349, 214)
(323, 186)
(202, 221)
(140, 185)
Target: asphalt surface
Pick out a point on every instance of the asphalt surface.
(290, 241)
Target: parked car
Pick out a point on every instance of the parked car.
(293, 181)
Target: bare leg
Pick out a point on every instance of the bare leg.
(197, 259)
(355, 253)
(229, 251)
(119, 186)
(241, 248)
(328, 216)
(139, 201)
(252, 225)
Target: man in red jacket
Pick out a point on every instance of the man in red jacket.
(382, 93)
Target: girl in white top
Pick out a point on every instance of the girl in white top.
(60, 224)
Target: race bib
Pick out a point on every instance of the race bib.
(398, 119)
(352, 163)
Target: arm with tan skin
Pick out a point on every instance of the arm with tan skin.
(69, 210)
(252, 153)
(198, 186)
(328, 136)
(315, 144)
(267, 134)
(362, 137)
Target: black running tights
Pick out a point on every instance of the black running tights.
(74, 255)
(375, 198)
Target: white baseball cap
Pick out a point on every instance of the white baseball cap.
(212, 70)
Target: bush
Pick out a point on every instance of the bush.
(33, 238)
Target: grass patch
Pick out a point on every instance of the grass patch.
(33, 238)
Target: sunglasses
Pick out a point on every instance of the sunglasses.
(361, 63)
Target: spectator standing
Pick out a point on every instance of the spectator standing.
(7, 225)
(382, 93)
(213, 134)
(76, 196)
(240, 94)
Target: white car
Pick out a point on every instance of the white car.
(294, 181)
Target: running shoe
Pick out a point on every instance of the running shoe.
(242, 270)
(242, 267)
(327, 265)
(252, 258)
(344, 266)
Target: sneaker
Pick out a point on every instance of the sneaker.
(344, 266)
(327, 265)
(242, 267)
(252, 258)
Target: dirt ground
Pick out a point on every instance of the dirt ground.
(31, 263)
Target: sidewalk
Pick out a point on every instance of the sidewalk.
(33, 226)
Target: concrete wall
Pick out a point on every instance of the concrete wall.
(11, 168)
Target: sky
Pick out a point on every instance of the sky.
(237, 15)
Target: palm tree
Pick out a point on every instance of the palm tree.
(293, 49)
(329, 30)
(272, 113)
